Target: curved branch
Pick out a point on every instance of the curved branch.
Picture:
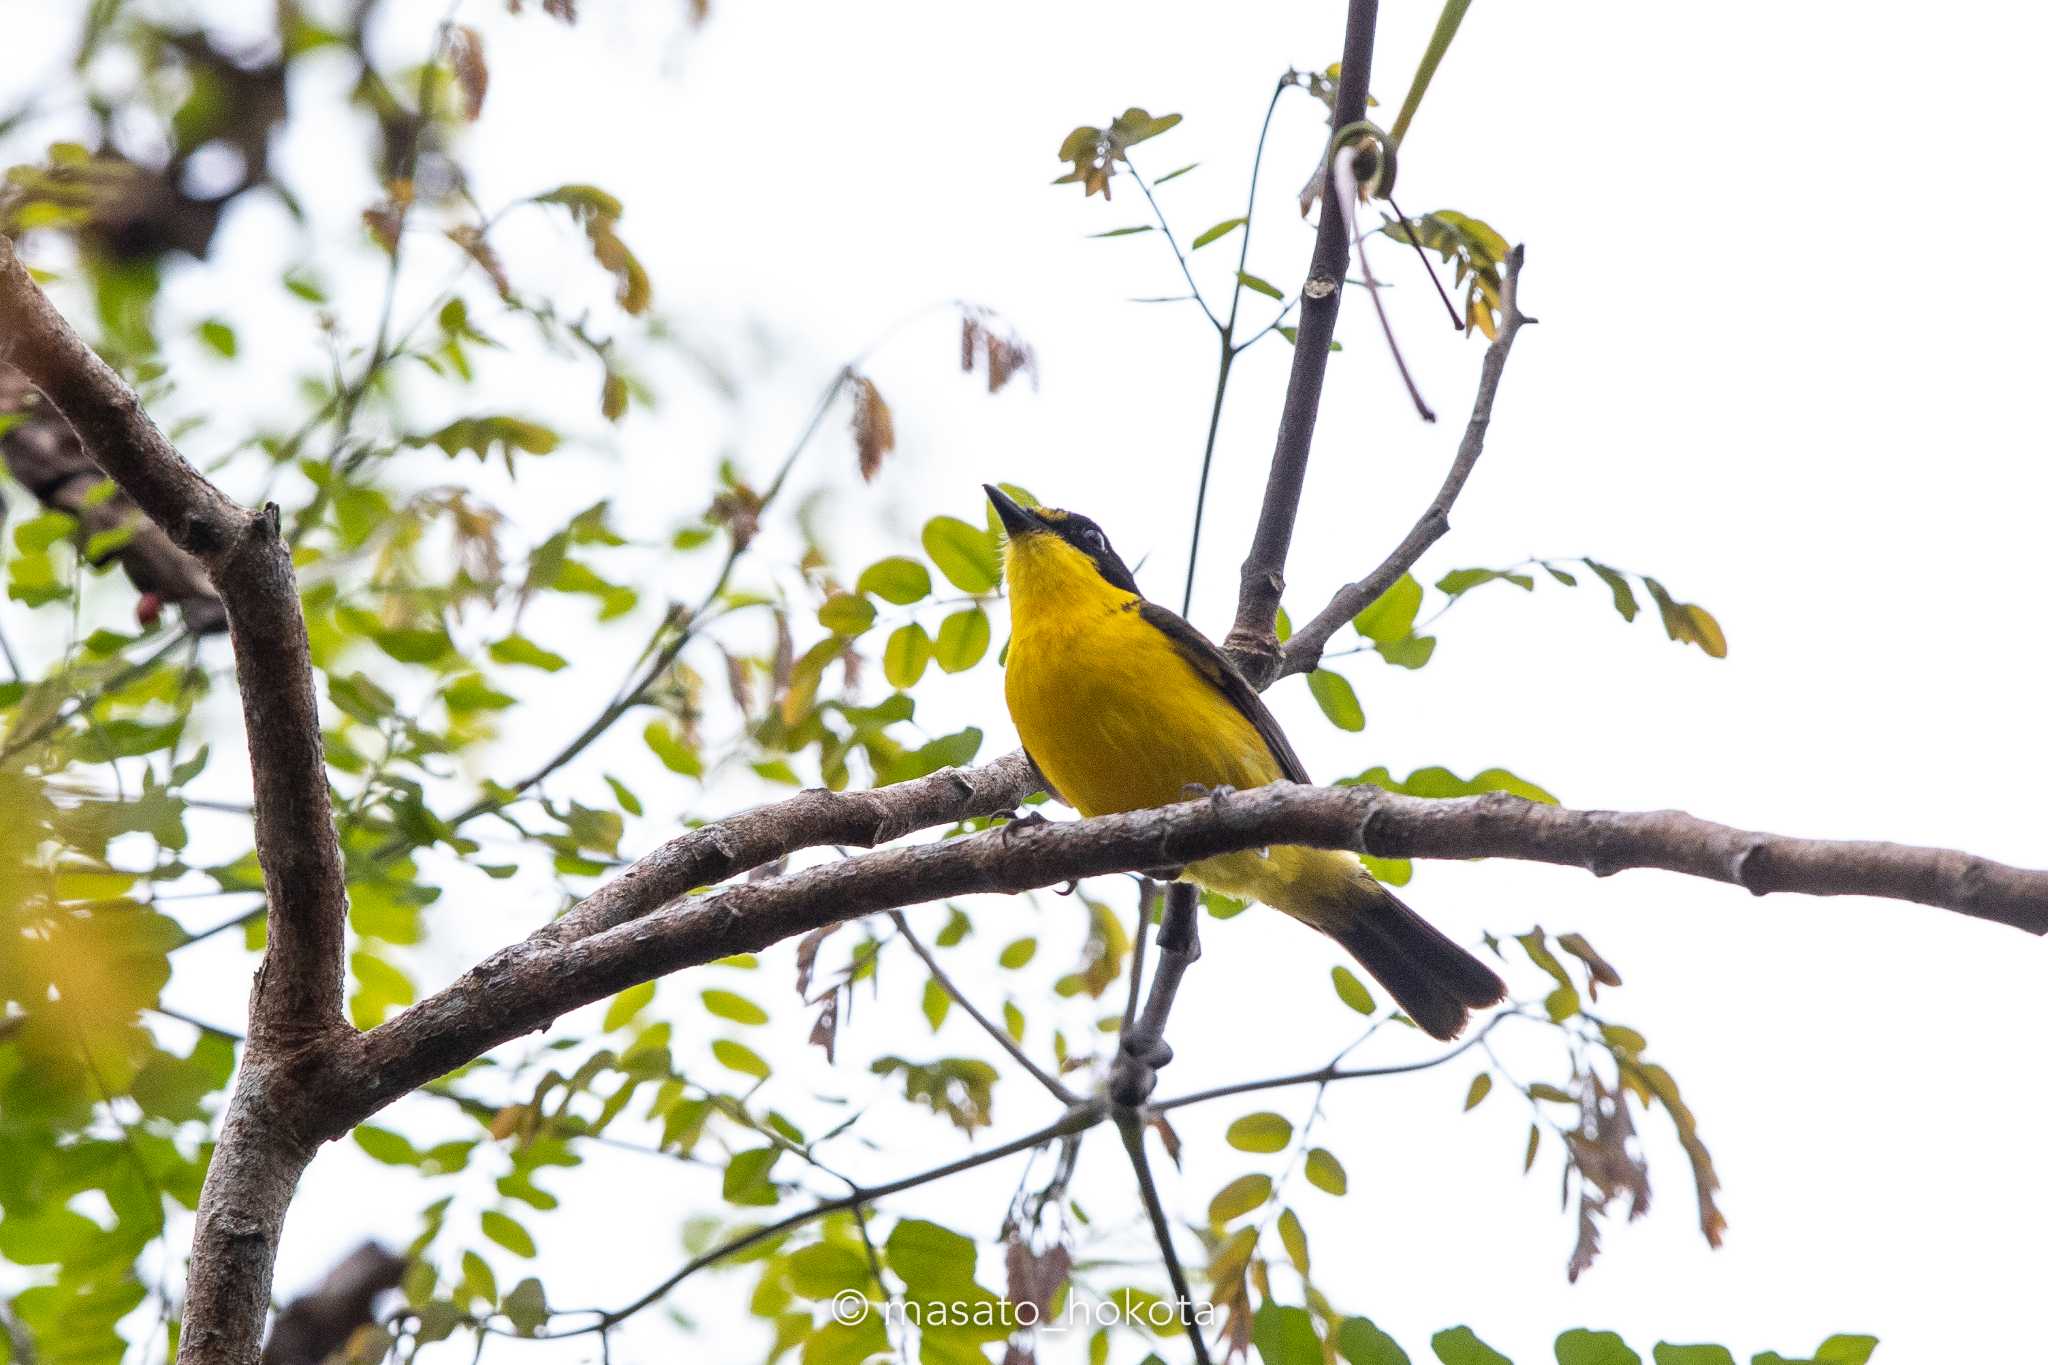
(295, 1008)
(525, 987)
(1304, 649)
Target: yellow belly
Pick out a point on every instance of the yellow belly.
(1117, 720)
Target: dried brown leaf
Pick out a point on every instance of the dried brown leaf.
(466, 56)
(874, 427)
(472, 240)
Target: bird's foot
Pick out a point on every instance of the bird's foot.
(1194, 791)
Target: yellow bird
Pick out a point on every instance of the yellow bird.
(1124, 706)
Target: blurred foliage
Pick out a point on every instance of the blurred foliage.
(441, 625)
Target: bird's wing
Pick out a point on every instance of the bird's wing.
(1222, 674)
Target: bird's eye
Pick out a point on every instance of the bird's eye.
(1092, 538)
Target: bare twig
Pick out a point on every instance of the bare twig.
(1324, 1075)
(988, 1026)
(1251, 642)
(1132, 1127)
(1344, 175)
(1305, 647)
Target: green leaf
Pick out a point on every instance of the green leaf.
(1664, 1353)
(1259, 286)
(1352, 991)
(218, 337)
(1617, 583)
(526, 1307)
(898, 579)
(1261, 1132)
(674, 752)
(1293, 1240)
(1333, 693)
(1361, 1342)
(1325, 1172)
(905, 656)
(1845, 1349)
(846, 613)
(517, 649)
(1123, 231)
(1017, 953)
(1581, 1346)
(626, 1004)
(1459, 581)
(1481, 1087)
(737, 1056)
(1216, 233)
(393, 1149)
(1239, 1197)
(1412, 652)
(963, 640)
(937, 1003)
(734, 1006)
(1458, 1346)
(1391, 616)
(1175, 174)
(825, 1269)
(746, 1177)
(507, 1231)
(965, 554)
(1285, 1335)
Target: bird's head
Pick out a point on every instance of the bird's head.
(1057, 558)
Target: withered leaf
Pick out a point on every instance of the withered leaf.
(466, 56)
(874, 427)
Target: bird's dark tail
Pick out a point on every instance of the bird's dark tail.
(1434, 980)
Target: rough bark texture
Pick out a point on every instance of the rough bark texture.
(1251, 643)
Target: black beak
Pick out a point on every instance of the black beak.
(1017, 519)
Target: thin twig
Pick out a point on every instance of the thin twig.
(1178, 255)
(1133, 1130)
(988, 1026)
(1344, 174)
(1075, 1120)
(1305, 647)
(1324, 1075)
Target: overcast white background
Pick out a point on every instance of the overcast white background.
(1789, 357)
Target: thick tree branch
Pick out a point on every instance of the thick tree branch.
(266, 1138)
(1304, 649)
(524, 987)
(1251, 642)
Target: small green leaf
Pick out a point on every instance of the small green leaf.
(1325, 1172)
(507, 1232)
(1216, 233)
(731, 1005)
(218, 337)
(626, 1004)
(1458, 1346)
(905, 656)
(517, 649)
(1123, 231)
(1259, 286)
(1580, 1346)
(846, 613)
(1361, 1342)
(937, 1003)
(1333, 693)
(737, 1056)
(963, 640)
(1391, 616)
(1017, 953)
(965, 554)
(898, 579)
(1664, 1353)
(1352, 991)
(1239, 1197)
(1261, 1132)
(393, 1149)
(1481, 1087)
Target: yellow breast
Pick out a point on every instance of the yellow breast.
(1104, 703)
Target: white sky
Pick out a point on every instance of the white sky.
(1786, 339)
